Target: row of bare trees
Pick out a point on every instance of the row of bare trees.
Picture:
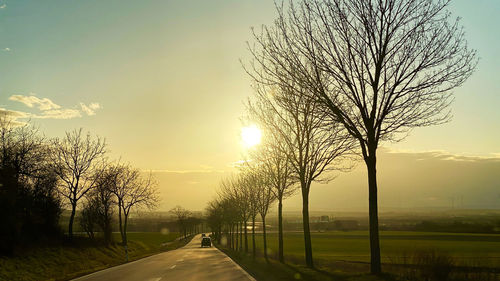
(80, 163)
(39, 176)
(188, 223)
(333, 77)
(299, 147)
(242, 199)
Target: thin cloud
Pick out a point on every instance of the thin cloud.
(91, 108)
(187, 171)
(444, 155)
(59, 114)
(6, 49)
(3, 6)
(49, 109)
(32, 101)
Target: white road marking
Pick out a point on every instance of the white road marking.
(173, 266)
(181, 260)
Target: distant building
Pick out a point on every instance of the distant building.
(324, 219)
(346, 224)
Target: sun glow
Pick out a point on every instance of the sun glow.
(250, 136)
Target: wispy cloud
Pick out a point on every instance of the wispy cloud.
(49, 109)
(31, 101)
(91, 108)
(200, 171)
(445, 155)
(59, 114)
(3, 6)
(203, 169)
(6, 49)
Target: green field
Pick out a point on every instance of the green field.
(69, 260)
(477, 249)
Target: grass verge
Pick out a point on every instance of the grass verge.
(70, 260)
(271, 269)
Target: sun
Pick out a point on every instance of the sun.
(251, 136)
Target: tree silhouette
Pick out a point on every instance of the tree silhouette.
(380, 68)
(76, 158)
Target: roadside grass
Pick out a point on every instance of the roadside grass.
(271, 269)
(82, 256)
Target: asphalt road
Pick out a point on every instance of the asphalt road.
(190, 262)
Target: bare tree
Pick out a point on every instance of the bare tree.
(310, 144)
(380, 68)
(249, 180)
(104, 198)
(265, 198)
(234, 189)
(89, 216)
(244, 193)
(138, 191)
(75, 159)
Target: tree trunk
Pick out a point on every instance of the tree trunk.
(236, 237)
(264, 235)
(233, 236)
(371, 164)
(253, 237)
(280, 230)
(246, 237)
(125, 228)
(241, 236)
(120, 221)
(305, 222)
(71, 219)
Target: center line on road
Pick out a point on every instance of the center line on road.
(173, 266)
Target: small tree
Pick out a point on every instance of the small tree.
(89, 216)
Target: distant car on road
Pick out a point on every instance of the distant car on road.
(206, 242)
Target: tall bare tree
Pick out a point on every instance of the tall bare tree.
(310, 144)
(271, 154)
(380, 68)
(76, 158)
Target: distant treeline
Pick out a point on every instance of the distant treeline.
(456, 226)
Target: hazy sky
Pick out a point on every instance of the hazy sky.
(162, 81)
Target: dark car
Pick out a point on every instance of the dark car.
(206, 242)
